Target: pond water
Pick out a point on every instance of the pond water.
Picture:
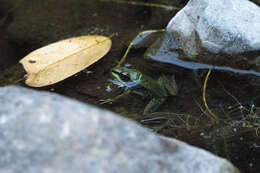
(232, 95)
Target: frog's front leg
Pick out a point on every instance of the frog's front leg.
(153, 105)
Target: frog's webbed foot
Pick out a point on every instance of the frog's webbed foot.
(111, 100)
(106, 101)
(153, 105)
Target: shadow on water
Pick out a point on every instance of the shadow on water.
(232, 94)
(166, 50)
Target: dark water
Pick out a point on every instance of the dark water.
(231, 94)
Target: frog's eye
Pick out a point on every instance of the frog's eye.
(125, 73)
(117, 70)
(122, 75)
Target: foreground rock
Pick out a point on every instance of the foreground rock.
(223, 26)
(43, 132)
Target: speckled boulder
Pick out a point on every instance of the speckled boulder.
(46, 133)
(222, 26)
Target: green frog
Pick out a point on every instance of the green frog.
(159, 89)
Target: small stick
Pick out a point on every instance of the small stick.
(167, 7)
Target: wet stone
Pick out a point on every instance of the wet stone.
(44, 132)
(227, 29)
(219, 26)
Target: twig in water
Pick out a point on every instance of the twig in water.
(167, 7)
(212, 115)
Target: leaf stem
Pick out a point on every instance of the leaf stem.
(132, 42)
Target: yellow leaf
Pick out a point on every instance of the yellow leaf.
(60, 60)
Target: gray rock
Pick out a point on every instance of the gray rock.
(222, 26)
(47, 133)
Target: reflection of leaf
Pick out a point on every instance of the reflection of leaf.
(60, 60)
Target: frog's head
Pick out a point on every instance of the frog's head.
(131, 74)
(121, 70)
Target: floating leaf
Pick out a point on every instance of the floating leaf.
(60, 60)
